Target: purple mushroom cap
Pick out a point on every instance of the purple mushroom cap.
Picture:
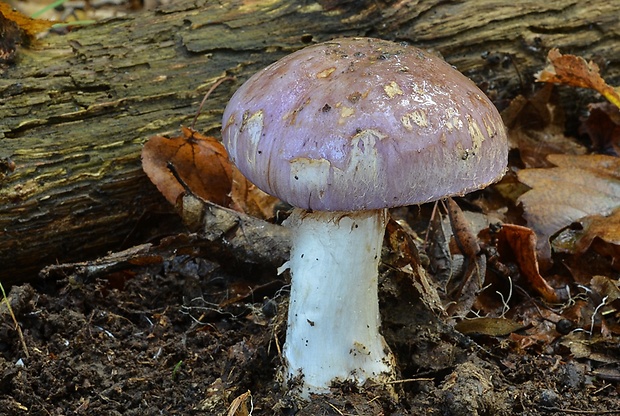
(361, 123)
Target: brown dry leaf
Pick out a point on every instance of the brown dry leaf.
(535, 112)
(606, 288)
(577, 72)
(246, 197)
(535, 145)
(520, 242)
(191, 160)
(536, 128)
(488, 326)
(401, 242)
(600, 310)
(29, 26)
(200, 164)
(579, 185)
(595, 348)
(405, 262)
(602, 233)
(465, 239)
(466, 291)
(17, 29)
(607, 291)
(603, 127)
(530, 339)
(239, 406)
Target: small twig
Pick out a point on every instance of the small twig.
(408, 380)
(278, 349)
(204, 99)
(433, 213)
(597, 391)
(374, 399)
(514, 65)
(17, 327)
(335, 408)
(210, 307)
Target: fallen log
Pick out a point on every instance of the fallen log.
(76, 108)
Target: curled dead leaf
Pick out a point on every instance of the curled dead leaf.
(577, 72)
(601, 233)
(466, 240)
(606, 288)
(191, 160)
(465, 291)
(515, 241)
(27, 25)
(239, 406)
(199, 164)
(246, 197)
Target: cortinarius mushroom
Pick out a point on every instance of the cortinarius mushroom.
(343, 130)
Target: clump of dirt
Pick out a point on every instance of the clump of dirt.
(188, 337)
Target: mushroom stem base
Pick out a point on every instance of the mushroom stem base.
(333, 319)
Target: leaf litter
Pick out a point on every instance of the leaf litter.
(579, 185)
(517, 284)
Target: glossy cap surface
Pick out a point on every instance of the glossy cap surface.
(362, 123)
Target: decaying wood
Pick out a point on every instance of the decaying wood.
(76, 108)
(231, 234)
(220, 233)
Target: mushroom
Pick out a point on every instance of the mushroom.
(343, 130)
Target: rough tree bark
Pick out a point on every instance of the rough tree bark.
(75, 109)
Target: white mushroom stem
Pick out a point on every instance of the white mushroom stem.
(333, 319)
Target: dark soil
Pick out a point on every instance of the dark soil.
(186, 336)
